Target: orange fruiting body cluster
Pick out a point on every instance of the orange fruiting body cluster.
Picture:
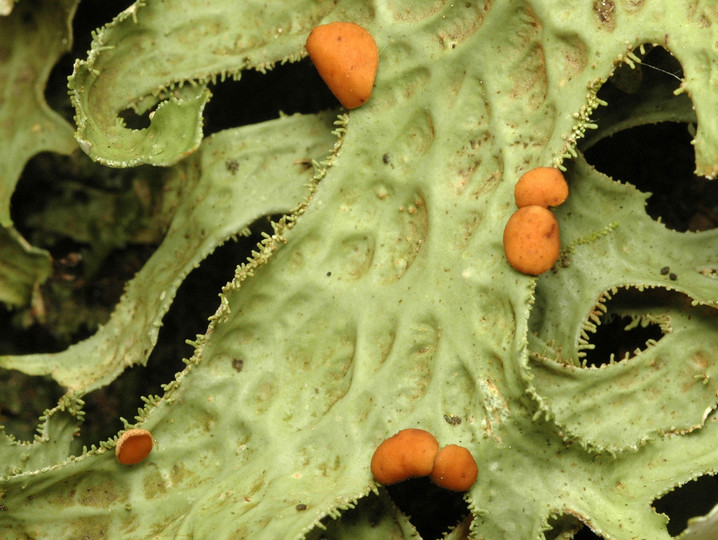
(531, 237)
(346, 57)
(133, 446)
(408, 454)
(413, 453)
(454, 468)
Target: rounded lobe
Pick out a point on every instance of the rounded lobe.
(454, 468)
(346, 57)
(543, 186)
(408, 454)
(531, 240)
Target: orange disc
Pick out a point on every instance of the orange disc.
(346, 57)
(133, 446)
(531, 240)
(543, 186)
(408, 454)
(454, 468)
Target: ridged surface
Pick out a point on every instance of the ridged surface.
(383, 300)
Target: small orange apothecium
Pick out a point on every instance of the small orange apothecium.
(133, 446)
(408, 454)
(531, 240)
(454, 468)
(544, 186)
(346, 57)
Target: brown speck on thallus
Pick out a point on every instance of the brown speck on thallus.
(237, 364)
(665, 270)
(305, 163)
(232, 165)
(605, 10)
(300, 507)
(453, 420)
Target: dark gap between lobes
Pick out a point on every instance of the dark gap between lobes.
(695, 498)
(659, 159)
(257, 97)
(195, 302)
(431, 509)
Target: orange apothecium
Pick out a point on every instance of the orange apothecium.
(346, 57)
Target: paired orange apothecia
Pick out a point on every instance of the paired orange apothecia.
(531, 238)
(133, 446)
(413, 453)
(346, 57)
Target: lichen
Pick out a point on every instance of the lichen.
(382, 298)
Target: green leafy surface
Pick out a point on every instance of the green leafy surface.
(384, 301)
(27, 126)
(649, 382)
(22, 267)
(140, 62)
(210, 207)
